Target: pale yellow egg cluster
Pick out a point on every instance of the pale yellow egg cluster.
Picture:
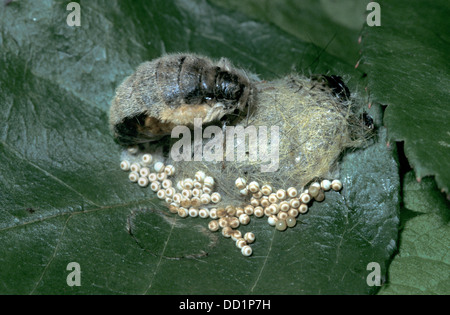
(196, 197)
(283, 206)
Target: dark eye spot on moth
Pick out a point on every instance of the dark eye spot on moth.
(367, 120)
(338, 86)
(335, 84)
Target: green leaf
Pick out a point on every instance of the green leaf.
(407, 62)
(332, 25)
(64, 199)
(422, 265)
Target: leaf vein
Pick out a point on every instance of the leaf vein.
(264, 263)
(48, 173)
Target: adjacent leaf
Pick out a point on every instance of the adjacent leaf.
(64, 199)
(422, 265)
(407, 62)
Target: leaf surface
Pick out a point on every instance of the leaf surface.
(406, 59)
(422, 265)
